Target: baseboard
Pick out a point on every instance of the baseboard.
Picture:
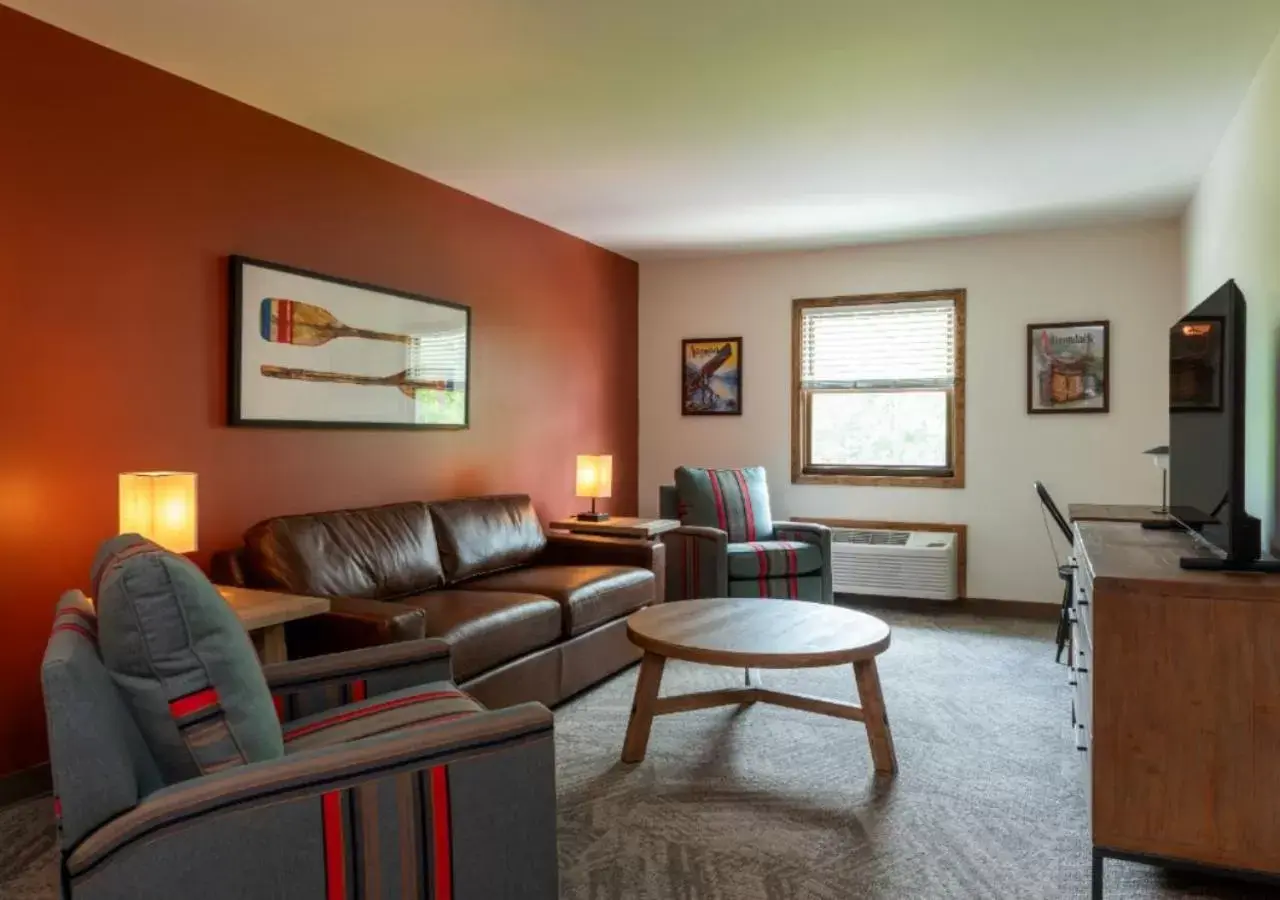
(25, 784)
(971, 606)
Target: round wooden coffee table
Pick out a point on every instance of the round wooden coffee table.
(759, 634)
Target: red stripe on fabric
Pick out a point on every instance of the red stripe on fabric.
(287, 324)
(335, 863)
(77, 628)
(721, 514)
(193, 703)
(57, 808)
(763, 559)
(358, 690)
(793, 584)
(746, 504)
(278, 702)
(441, 839)
(351, 715)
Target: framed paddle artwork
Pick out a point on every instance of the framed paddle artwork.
(314, 351)
(711, 376)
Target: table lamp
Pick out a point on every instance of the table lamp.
(1160, 456)
(160, 506)
(595, 479)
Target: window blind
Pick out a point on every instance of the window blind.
(879, 346)
(439, 356)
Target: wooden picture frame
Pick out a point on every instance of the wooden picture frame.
(308, 350)
(1069, 367)
(711, 376)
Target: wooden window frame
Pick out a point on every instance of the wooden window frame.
(802, 472)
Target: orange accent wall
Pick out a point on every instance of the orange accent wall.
(122, 191)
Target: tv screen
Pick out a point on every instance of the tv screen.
(1206, 416)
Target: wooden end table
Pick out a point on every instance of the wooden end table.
(766, 634)
(264, 614)
(618, 526)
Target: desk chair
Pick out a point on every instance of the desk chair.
(1065, 572)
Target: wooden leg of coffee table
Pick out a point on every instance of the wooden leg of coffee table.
(875, 717)
(633, 748)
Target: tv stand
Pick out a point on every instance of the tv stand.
(1175, 683)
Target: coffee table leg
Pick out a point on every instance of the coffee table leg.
(633, 748)
(877, 720)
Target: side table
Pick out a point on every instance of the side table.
(618, 526)
(264, 614)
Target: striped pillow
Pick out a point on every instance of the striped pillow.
(734, 500)
(182, 662)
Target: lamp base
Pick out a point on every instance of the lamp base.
(592, 517)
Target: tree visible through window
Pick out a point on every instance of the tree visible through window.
(879, 389)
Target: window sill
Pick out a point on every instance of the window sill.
(955, 480)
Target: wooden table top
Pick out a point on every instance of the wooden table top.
(263, 609)
(618, 526)
(1115, 512)
(763, 634)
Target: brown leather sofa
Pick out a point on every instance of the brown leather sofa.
(529, 616)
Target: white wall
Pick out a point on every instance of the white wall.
(1233, 231)
(1130, 274)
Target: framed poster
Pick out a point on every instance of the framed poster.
(313, 351)
(1068, 367)
(1195, 364)
(711, 376)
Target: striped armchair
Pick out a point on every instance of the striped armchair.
(729, 546)
(393, 783)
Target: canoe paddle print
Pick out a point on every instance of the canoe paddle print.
(307, 325)
(399, 380)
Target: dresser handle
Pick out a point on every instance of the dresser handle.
(1081, 671)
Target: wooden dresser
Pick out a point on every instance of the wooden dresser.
(1177, 703)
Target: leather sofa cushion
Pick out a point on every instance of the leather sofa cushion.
(485, 629)
(486, 534)
(377, 553)
(588, 595)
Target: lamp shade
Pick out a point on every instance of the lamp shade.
(160, 506)
(595, 476)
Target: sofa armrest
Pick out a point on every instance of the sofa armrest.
(591, 550)
(289, 827)
(587, 549)
(304, 687)
(351, 624)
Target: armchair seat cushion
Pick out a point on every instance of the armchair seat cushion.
(412, 707)
(766, 559)
(487, 628)
(587, 595)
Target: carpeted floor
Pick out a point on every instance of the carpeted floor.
(765, 803)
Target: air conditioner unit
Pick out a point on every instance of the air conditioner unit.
(894, 563)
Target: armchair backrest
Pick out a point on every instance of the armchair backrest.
(101, 765)
(734, 500)
(668, 502)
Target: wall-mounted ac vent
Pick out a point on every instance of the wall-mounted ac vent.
(894, 563)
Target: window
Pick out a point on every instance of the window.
(878, 390)
(438, 360)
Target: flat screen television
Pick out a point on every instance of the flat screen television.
(1206, 431)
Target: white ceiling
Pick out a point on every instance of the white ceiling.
(663, 126)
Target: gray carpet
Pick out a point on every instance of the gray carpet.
(766, 803)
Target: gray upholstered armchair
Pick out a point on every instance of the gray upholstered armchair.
(393, 783)
(729, 546)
